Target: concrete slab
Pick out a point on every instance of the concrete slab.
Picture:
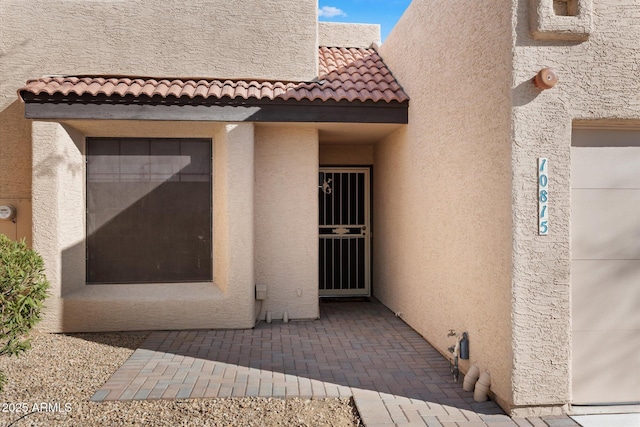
(608, 420)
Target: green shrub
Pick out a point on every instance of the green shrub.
(23, 289)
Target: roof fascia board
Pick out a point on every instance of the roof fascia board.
(336, 113)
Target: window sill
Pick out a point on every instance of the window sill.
(148, 292)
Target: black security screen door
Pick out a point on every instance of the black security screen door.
(345, 239)
(148, 210)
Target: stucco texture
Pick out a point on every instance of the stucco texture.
(15, 149)
(598, 83)
(15, 162)
(286, 220)
(442, 185)
(348, 35)
(261, 39)
(346, 154)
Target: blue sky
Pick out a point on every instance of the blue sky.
(383, 12)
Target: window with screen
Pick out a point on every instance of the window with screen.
(148, 210)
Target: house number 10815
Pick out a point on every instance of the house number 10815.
(543, 196)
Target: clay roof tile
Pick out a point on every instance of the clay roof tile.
(147, 89)
(344, 74)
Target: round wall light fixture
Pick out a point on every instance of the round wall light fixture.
(546, 78)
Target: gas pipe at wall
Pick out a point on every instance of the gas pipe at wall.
(473, 380)
(458, 351)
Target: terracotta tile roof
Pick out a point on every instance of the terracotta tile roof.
(345, 74)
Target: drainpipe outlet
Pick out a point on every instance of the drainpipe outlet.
(480, 394)
(285, 317)
(470, 379)
(268, 316)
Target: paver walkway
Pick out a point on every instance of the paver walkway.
(357, 349)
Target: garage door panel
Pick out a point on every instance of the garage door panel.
(599, 377)
(605, 267)
(606, 295)
(605, 167)
(605, 224)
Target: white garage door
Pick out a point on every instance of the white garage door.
(605, 267)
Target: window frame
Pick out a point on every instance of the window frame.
(123, 140)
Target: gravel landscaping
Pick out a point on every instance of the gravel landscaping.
(53, 382)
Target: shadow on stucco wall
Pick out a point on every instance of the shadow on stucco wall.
(49, 167)
(524, 93)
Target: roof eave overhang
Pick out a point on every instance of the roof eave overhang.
(232, 110)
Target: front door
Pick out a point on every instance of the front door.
(345, 237)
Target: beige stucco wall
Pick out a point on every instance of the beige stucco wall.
(20, 226)
(598, 81)
(286, 220)
(15, 160)
(206, 38)
(348, 35)
(442, 185)
(15, 146)
(346, 154)
(59, 234)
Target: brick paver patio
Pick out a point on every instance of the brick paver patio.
(357, 349)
